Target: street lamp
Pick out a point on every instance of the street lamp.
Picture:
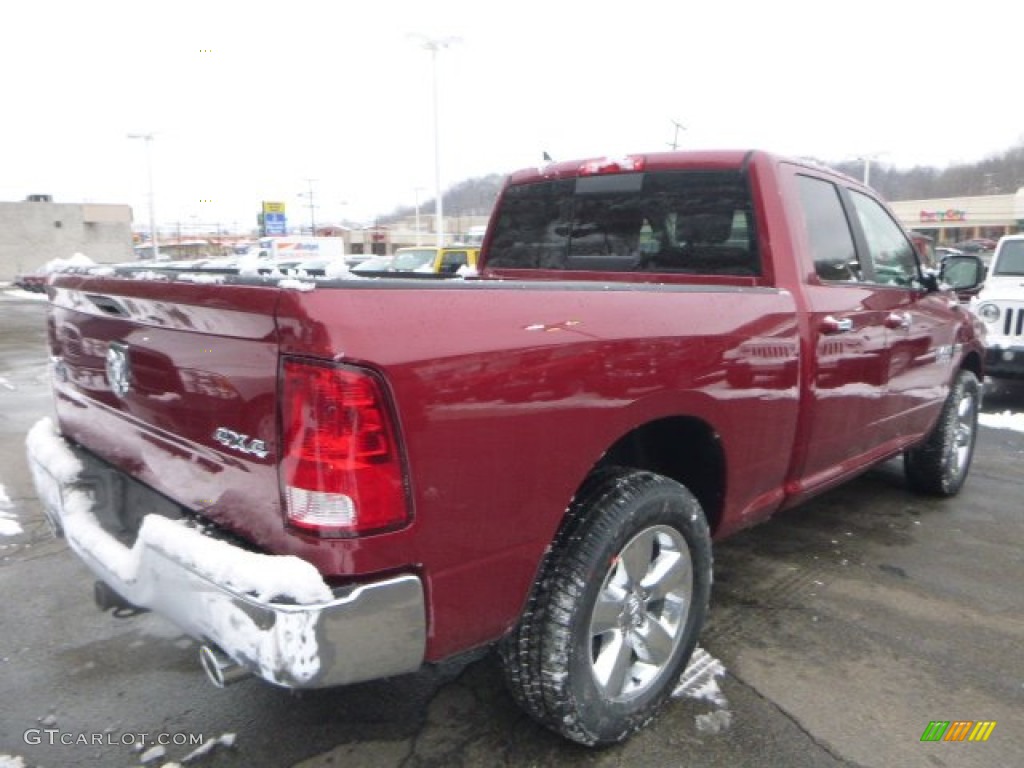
(435, 44)
(867, 165)
(148, 138)
(417, 190)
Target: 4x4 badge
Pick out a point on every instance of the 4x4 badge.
(119, 371)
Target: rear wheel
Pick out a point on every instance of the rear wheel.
(940, 464)
(616, 611)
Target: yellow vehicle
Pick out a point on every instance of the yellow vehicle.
(429, 258)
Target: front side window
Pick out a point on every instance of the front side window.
(891, 252)
(689, 222)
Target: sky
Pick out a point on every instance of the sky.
(250, 100)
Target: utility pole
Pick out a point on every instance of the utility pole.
(675, 138)
(148, 138)
(312, 207)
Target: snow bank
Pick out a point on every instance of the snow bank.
(1004, 420)
(8, 524)
(76, 260)
(18, 293)
(700, 681)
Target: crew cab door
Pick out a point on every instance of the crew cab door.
(846, 378)
(882, 345)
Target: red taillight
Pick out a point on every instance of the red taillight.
(633, 163)
(341, 469)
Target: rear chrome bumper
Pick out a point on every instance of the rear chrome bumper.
(273, 615)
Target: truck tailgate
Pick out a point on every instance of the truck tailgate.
(174, 383)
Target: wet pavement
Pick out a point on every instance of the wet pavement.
(843, 627)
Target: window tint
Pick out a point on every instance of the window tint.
(891, 252)
(828, 231)
(683, 221)
(1011, 258)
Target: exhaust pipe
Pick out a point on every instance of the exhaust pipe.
(220, 669)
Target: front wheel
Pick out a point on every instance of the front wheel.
(616, 611)
(939, 465)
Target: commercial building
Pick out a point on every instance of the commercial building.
(37, 230)
(953, 219)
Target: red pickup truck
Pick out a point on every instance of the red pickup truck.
(335, 480)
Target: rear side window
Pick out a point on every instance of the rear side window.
(828, 231)
(683, 221)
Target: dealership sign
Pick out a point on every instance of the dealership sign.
(274, 221)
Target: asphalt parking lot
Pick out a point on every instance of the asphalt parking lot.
(838, 632)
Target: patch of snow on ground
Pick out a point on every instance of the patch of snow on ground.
(714, 722)
(6, 384)
(18, 293)
(8, 525)
(1004, 420)
(700, 681)
(11, 761)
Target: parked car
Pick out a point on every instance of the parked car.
(975, 245)
(445, 261)
(34, 281)
(373, 264)
(1000, 305)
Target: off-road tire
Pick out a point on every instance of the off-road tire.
(620, 520)
(940, 464)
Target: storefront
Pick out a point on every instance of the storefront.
(954, 219)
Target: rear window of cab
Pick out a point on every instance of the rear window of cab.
(687, 222)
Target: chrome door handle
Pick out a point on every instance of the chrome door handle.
(898, 321)
(833, 325)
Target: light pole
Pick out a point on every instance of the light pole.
(867, 165)
(417, 190)
(435, 44)
(148, 138)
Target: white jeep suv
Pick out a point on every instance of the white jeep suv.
(1000, 305)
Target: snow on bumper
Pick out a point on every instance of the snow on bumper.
(273, 615)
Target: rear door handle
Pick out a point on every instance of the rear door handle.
(832, 325)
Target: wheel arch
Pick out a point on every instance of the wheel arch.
(684, 448)
(972, 362)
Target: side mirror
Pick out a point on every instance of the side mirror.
(964, 272)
